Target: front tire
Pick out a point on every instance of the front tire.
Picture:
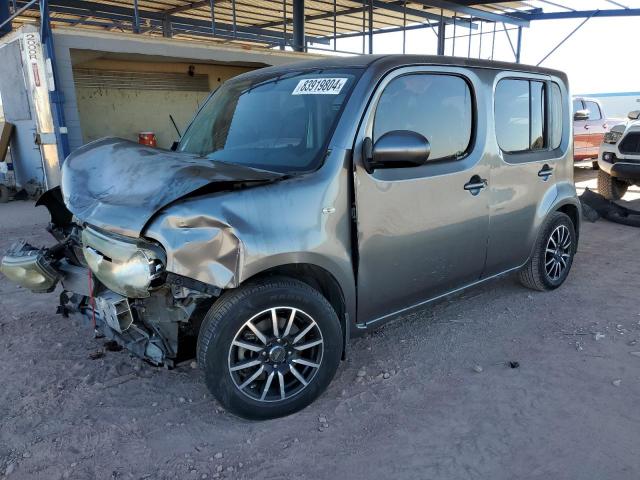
(269, 349)
(553, 254)
(609, 187)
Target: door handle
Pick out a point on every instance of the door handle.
(586, 127)
(545, 172)
(475, 184)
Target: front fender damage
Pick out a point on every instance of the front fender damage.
(199, 247)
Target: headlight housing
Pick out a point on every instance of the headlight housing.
(612, 137)
(125, 266)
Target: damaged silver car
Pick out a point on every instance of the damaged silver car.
(308, 204)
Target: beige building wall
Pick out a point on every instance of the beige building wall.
(123, 112)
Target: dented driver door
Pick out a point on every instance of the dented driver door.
(422, 231)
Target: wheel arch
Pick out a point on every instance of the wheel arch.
(321, 280)
(573, 212)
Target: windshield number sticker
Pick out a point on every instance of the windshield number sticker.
(319, 86)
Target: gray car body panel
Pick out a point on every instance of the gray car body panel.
(118, 185)
(227, 237)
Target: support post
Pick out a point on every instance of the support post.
(55, 95)
(166, 27)
(404, 27)
(519, 45)
(298, 25)
(335, 26)
(212, 5)
(364, 28)
(4, 17)
(136, 17)
(441, 35)
(370, 27)
(233, 16)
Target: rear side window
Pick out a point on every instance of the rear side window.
(555, 116)
(436, 106)
(528, 115)
(594, 110)
(520, 114)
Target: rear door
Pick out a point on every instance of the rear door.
(531, 140)
(422, 231)
(595, 126)
(581, 137)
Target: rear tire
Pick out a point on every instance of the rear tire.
(553, 254)
(609, 187)
(285, 369)
(4, 194)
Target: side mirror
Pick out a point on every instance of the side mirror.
(396, 149)
(581, 115)
(634, 115)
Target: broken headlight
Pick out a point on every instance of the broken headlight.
(125, 266)
(30, 268)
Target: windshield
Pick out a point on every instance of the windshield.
(278, 122)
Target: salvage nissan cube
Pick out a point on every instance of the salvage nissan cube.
(308, 204)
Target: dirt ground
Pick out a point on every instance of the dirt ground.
(451, 407)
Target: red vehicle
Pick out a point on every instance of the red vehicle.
(589, 126)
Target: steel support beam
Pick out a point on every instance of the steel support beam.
(370, 13)
(55, 95)
(179, 24)
(187, 7)
(628, 12)
(395, 6)
(441, 36)
(565, 39)
(474, 12)
(166, 27)
(5, 17)
(519, 45)
(298, 25)
(136, 17)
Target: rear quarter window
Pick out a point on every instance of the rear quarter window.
(528, 116)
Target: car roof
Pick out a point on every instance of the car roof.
(388, 62)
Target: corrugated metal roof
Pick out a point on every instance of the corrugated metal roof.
(254, 17)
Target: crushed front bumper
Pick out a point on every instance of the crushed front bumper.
(150, 327)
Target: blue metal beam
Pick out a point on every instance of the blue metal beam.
(475, 12)
(5, 17)
(55, 95)
(627, 12)
(156, 18)
(394, 6)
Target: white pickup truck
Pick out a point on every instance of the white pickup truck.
(619, 158)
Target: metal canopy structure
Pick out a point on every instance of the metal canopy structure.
(297, 24)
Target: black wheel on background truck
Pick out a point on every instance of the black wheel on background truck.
(609, 187)
(594, 165)
(4, 194)
(269, 349)
(552, 256)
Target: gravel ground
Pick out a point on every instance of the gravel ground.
(428, 396)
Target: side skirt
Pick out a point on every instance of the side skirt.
(376, 322)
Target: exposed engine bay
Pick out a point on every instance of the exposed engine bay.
(157, 326)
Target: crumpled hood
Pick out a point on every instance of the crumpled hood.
(119, 185)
